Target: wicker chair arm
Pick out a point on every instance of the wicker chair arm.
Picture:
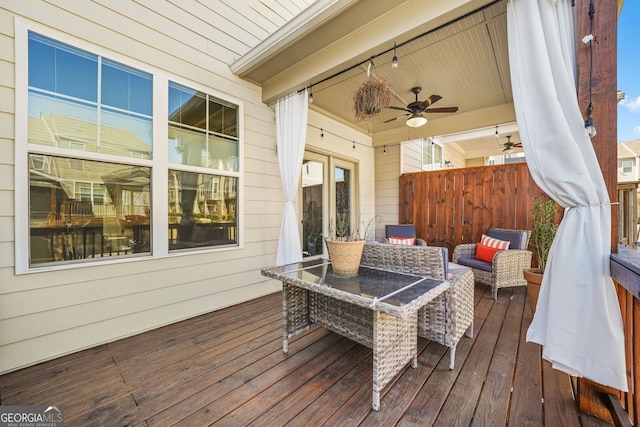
(465, 250)
(511, 261)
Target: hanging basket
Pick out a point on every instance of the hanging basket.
(370, 99)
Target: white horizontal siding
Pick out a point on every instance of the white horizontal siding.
(52, 313)
(387, 187)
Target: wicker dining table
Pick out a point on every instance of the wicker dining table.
(377, 308)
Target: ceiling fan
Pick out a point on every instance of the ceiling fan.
(509, 146)
(415, 109)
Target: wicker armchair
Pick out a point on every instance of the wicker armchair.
(506, 268)
(402, 230)
(450, 316)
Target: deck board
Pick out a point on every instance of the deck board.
(227, 368)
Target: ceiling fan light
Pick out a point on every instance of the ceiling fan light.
(509, 150)
(416, 120)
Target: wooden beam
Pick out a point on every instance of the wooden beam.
(603, 89)
(600, 85)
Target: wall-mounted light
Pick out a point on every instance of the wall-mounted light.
(448, 163)
(394, 62)
(310, 93)
(321, 133)
(354, 145)
(384, 149)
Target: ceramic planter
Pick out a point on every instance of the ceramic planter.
(345, 256)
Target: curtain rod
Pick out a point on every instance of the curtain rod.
(426, 33)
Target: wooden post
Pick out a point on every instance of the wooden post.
(603, 89)
(604, 100)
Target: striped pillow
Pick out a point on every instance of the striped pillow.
(494, 243)
(488, 246)
(402, 240)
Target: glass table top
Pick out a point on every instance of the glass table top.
(375, 284)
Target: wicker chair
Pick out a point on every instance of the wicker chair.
(506, 268)
(450, 316)
(402, 230)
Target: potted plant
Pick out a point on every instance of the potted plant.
(543, 231)
(345, 246)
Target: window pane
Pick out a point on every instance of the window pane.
(123, 134)
(198, 139)
(86, 212)
(59, 68)
(343, 201)
(223, 118)
(126, 88)
(202, 210)
(312, 192)
(63, 106)
(62, 123)
(187, 106)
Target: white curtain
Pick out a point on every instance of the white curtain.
(291, 133)
(578, 319)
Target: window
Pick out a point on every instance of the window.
(627, 166)
(202, 134)
(90, 157)
(431, 154)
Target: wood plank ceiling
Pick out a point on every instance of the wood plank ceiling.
(463, 57)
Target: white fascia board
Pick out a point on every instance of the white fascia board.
(314, 15)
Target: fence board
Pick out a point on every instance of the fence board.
(453, 206)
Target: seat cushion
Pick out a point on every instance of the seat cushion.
(518, 239)
(475, 263)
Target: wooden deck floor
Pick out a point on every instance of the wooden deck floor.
(227, 368)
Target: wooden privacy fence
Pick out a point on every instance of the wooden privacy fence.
(453, 206)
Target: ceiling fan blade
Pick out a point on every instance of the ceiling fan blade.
(398, 108)
(395, 118)
(519, 145)
(442, 110)
(429, 101)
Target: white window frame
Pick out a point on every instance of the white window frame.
(627, 164)
(159, 164)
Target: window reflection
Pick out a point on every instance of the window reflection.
(64, 109)
(82, 209)
(202, 210)
(202, 133)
